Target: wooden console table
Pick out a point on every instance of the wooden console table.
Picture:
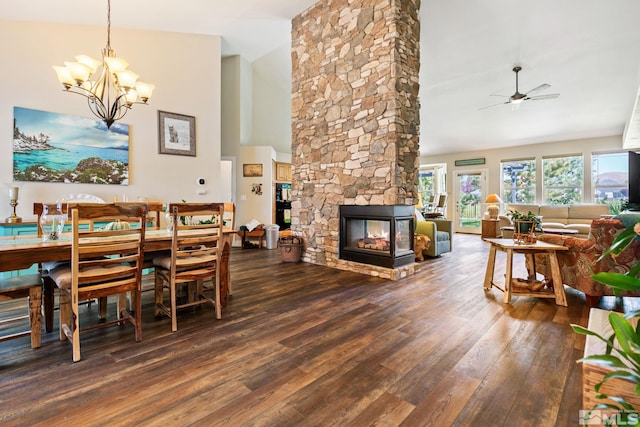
(529, 250)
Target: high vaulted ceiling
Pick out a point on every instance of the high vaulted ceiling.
(587, 50)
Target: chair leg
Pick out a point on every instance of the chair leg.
(216, 285)
(65, 312)
(35, 315)
(48, 302)
(75, 331)
(102, 307)
(137, 306)
(172, 298)
(159, 290)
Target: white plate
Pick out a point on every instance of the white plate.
(80, 198)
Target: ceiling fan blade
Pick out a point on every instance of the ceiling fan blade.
(543, 86)
(503, 96)
(539, 97)
(493, 105)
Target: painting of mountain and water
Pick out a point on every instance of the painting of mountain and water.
(52, 147)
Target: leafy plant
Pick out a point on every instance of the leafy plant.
(625, 357)
(517, 216)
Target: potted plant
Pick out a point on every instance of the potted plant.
(524, 223)
(622, 355)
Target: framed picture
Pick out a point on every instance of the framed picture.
(252, 169)
(53, 147)
(176, 134)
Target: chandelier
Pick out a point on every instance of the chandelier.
(109, 87)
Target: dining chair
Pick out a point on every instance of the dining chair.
(104, 262)
(154, 210)
(195, 251)
(30, 287)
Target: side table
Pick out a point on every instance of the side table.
(529, 250)
(490, 228)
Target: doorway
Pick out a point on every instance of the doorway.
(470, 189)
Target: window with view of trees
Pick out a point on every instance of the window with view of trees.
(518, 181)
(426, 184)
(610, 174)
(563, 180)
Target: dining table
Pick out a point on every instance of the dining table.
(23, 251)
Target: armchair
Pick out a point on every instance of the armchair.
(440, 232)
(578, 263)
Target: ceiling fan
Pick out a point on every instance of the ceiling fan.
(517, 98)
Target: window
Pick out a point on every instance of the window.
(611, 179)
(563, 179)
(431, 181)
(518, 181)
(426, 184)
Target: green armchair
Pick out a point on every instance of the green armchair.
(440, 232)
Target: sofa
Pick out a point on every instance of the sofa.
(440, 231)
(579, 262)
(576, 217)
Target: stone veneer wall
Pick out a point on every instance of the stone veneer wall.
(355, 117)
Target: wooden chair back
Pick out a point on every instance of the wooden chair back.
(229, 218)
(195, 251)
(154, 209)
(103, 262)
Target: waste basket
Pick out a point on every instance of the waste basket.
(272, 236)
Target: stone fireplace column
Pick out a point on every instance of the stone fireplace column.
(355, 116)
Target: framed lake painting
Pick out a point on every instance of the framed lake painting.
(52, 147)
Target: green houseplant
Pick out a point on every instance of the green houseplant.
(624, 358)
(522, 222)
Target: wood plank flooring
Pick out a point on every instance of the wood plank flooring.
(305, 345)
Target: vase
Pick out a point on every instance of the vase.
(52, 221)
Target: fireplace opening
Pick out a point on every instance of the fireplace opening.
(377, 234)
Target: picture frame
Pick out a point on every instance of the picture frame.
(176, 134)
(252, 169)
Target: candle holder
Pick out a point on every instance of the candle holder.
(14, 218)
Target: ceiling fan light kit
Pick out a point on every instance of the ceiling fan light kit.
(517, 98)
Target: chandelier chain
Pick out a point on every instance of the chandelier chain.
(108, 24)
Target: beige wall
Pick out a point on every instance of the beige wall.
(494, 157)
(186, 71)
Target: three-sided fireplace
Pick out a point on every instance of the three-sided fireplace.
(377, 234)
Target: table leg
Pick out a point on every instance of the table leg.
(556, 278)
(508, 276)
(35, 315)
(491, 264)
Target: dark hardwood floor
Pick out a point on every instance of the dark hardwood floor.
(305, 345)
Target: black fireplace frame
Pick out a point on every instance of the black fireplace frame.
(391, 213)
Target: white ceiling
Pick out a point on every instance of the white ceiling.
(587, 50)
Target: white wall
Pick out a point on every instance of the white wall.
(494, 157)
(249, 205)
(272, 101)
(186, 71)
(251, 118)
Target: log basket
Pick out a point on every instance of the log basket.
(290, 248)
